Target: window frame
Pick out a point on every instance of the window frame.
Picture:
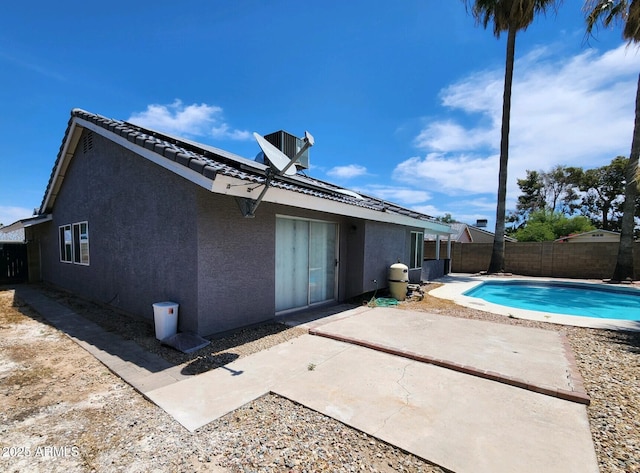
(81, 243)
(417, 249)
(65, 244)
(74, 243)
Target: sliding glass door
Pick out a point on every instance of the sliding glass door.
(306, 255)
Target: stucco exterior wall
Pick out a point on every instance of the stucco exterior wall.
(236, 264)
(142, 242)
(385, 244)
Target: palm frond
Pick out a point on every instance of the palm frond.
(508, 14)
(613, 12)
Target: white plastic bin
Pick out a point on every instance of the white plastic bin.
(165, 316)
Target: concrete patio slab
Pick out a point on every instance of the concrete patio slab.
(460, 422)
(529, 358)
(463, 423)
(203, 398)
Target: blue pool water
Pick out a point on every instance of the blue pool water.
(587, 300)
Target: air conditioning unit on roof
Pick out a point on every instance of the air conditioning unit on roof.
(289, 145)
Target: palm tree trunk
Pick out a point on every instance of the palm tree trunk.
(624, 264)
(497, 255)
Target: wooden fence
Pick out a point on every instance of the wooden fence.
(14, 267)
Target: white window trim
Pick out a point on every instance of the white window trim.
(63, 231)
(417, 256)
(81, 236)
(81, 245)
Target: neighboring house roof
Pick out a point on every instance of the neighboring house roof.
(591, 236)
(462, 233)
(15, 231)
(225, 173)
(465, 233)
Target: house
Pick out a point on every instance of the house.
(593, 236)
(16, 231)
(136, 217)
(19, 262)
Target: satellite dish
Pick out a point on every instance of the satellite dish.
(277, 158)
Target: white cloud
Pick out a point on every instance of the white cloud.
(450, 174)
(188, 120)
(429, 210)
(223, 132)
(347, 172)
(575, 111)
(8, 214)
(398, 195)
(447, 135)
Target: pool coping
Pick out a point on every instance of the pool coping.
(454, 285)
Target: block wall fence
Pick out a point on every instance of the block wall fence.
(544, 259)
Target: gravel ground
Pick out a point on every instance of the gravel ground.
(64, 411)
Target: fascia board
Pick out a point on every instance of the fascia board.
(69, 148)
(38, 221)
(235, 187)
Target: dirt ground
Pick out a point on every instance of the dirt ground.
(63, 411)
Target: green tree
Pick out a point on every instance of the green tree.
(446, 218)
(533, 195)
(603, 189)
(559, 188)
(553, 190)
(510, 16)
(546, 225)
(626, 12)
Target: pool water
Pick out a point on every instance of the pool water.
(587, 300)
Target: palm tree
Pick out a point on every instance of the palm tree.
(510, 16)
(607, 12)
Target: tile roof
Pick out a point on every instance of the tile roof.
(211, 161)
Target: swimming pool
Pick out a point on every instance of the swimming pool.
(580, 299)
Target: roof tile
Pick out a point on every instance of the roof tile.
(205, 160)
(183, 158)
(197, 165)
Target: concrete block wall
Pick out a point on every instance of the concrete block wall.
(525, 258)
(543, 259)
(584, 260)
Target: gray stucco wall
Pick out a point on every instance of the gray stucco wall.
(236, 264)
(142, 241)
(386, 244)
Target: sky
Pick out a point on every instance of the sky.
(404, 99)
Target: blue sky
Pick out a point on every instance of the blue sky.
(404, 99)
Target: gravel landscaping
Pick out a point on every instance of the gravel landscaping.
(62, 410)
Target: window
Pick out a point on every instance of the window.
(81, 243)
(65, 243)
(74, 243)
(417, 248)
